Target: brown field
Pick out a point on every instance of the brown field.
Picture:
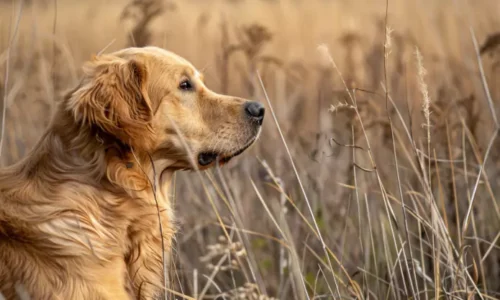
(385, 182)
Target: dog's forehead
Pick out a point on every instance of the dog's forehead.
(159, 57)
(169, 59)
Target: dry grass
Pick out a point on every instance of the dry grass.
(383, 180)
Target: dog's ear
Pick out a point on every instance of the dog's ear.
(113, 97)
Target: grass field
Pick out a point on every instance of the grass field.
(378, 178)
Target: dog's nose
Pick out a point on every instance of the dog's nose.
(255, 110)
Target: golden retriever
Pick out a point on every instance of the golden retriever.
(79, 215)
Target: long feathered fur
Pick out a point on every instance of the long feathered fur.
(76, 221)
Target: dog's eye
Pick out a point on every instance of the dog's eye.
(186, 85)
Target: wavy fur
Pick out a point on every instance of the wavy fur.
(78, 217)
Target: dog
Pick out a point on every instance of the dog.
(86, 214)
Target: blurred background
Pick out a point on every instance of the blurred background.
(382, 180)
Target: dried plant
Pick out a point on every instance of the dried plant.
(246, 292)
(142, 13)
(388, 199)
(491, 44)
(251, 40)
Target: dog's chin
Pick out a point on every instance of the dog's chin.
(209, 158)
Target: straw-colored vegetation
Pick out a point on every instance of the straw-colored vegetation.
(378, 178)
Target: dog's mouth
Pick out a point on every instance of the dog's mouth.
(206, 158)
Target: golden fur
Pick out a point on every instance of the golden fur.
(78, 215)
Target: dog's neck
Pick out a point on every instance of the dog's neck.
(92, 156)
(161, 177)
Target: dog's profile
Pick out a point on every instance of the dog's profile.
(79, 215)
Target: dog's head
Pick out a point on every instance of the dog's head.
(155, 101)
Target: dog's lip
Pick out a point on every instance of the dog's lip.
(208, 157)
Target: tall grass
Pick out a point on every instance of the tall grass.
(377, 173)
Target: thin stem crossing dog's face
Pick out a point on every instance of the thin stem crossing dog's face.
(156, 101)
